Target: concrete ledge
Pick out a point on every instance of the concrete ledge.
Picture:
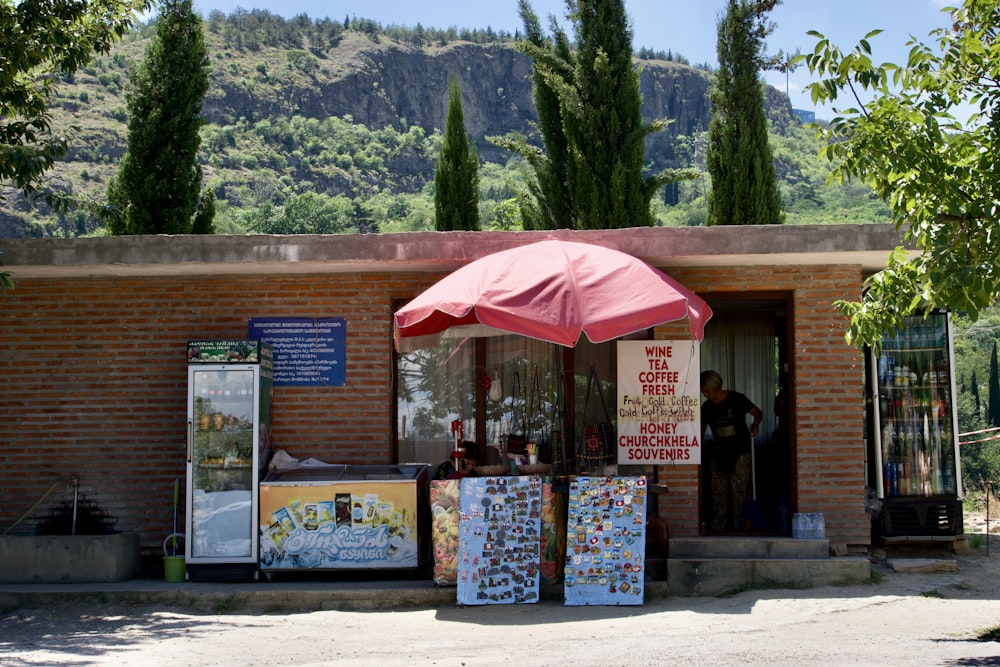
(923, 565)
(218, 254)
(263, 597)
(68, 558)
(747, 547)
(716, 576)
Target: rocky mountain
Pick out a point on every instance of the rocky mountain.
(359, 78)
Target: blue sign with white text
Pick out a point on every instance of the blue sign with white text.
(308, 351)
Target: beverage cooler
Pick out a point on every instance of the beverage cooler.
(915, 460)
(229, 427)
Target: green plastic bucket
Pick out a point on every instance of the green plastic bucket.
(174, 567)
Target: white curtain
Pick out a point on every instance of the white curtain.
(741, 347)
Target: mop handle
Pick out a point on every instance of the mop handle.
(177, 495)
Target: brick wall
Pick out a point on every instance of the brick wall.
(93, 384)
(827, 401)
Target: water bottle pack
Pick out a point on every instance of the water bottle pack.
(808, 526)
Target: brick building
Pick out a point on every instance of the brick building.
(93, 374)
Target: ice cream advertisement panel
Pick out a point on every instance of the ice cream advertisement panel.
(338, 526)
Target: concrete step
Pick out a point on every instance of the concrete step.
(747, 547)
(717, 576)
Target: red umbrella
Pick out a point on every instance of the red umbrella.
(552, 291)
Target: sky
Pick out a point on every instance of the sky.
(679, 26)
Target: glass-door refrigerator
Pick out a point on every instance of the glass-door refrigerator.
(915, 460)
(229, 443)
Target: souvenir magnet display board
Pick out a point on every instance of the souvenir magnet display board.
(499, 540)
(605, 541)
(445, 499)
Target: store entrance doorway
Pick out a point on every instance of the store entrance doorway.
(746, 342)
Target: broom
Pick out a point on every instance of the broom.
(754, 516)
(177, 492)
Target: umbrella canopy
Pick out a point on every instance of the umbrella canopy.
(552, 291)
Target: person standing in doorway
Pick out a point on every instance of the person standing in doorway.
(725, 412)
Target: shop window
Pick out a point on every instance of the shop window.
(504, 390)
(498, 388)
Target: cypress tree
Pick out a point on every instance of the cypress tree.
(456, 177)
(993, 409)
(157, 189)
(550, 204)
(738, 157)
(589, 175)
(605, 126)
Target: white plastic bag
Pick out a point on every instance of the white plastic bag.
(496, 387)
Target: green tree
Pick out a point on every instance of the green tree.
(939, 175)
(738, 156)
(603, 120)
(547, 202)
(6, 280)
(587, 96)
(158, 186)
(993, 411)
(975, 395)
(456, 177)
(362, 219)
(39, 41)
(204, 217)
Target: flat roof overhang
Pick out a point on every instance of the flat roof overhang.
(867, 246)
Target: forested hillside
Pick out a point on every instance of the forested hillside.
(317, 125)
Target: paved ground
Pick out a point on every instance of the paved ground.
(901, 619)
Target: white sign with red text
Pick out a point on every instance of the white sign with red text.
(659, 406)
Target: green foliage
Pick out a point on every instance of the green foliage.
(305, 213)
(456, 178)
(739, 159)
(590, 173)
(545, 201)
(993, 410)
(938, 174)
(603, 121)
(264, 150)
(6, 280)
(303, 61)
(974, 343)
(38, 41)
(204, 217)
(158, 186)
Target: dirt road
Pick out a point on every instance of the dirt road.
(902, 619)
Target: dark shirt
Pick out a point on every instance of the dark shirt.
(445, 471)
(728, 422)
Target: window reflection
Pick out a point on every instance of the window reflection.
(506, 390)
